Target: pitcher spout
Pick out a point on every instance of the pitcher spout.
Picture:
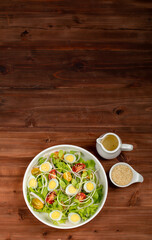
(98, 140)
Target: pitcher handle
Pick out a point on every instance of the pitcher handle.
(126, 147)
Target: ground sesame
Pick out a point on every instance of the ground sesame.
(122, 175)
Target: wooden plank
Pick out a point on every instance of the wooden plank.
(105, 21)
(57, 27)
(27, 143)
(60, 7)
(60, 69)
(76, 108)
(92, 60)
(98, 39)
(138, 227)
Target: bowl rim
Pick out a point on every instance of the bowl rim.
(80, 149)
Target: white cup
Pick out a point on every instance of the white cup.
(137, 177)
(103, 152)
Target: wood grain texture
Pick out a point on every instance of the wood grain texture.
(70, 71)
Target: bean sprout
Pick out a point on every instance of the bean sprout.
(87, 205)
(36, 196)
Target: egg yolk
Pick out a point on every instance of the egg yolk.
(70, 158)
(52, 184)
(45, 167)
(32, 182)
(72, 189)
(55, 215)
(75, 218)
(89, 186)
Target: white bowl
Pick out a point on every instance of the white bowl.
(43, 217)
(136, 176)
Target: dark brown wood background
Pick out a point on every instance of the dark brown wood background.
(70, 71)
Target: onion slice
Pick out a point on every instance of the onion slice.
(78, 154)
(36, 196)
(92, 201)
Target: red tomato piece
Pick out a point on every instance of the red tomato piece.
(52, 174)
(78, 166)
(80, 196)
(50, 197)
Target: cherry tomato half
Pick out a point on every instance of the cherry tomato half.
(67, 176)
(52, 174)
(80, 196)
(50, 197)
(78, 167)
(35, 171)
(37, 204)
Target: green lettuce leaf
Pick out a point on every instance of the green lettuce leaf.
(84, 174)
(90, 164)
(62, 184)
(62, 197)
(87, 212)
(61, 165)
(62, 221)
(44, 192)
(74, 182)
(52, 154)
(72, 152)
(60, 153)
(81, 160)
(41, 160)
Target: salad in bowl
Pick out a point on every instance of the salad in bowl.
(64, 187)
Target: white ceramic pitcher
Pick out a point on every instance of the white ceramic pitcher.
(103, 152)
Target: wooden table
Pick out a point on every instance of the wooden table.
(70, 71)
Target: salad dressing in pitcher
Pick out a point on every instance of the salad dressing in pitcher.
(110, 142)
(109, 145)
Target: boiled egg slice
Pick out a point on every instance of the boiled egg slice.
(74, 218)
(71, 190)
(89, 186)
(45, 167)
(53, 184)
(32, 182)
(69, 158)
(56, 215)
